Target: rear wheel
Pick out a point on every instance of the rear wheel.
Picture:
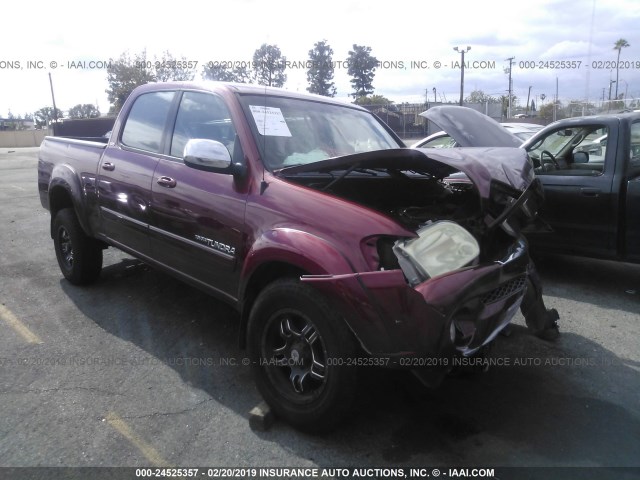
(79, 256)
(300, 351)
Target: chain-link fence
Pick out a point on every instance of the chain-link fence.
(405, 120)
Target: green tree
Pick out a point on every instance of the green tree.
(45, 116)
(12, 125)
(269, 66)
(86, 110)
(320, 72)
(478, 96)
(124, 75)
(619, 45)
(372, 100)
(504, 99)
(361, 67)
(168, 68)
(224, 73)
(546, 111)
(19, 123)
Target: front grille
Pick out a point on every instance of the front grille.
(505, 290)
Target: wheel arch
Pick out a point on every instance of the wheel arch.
(262, 276)
(65, 192)
(281, 253)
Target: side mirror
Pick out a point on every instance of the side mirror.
(207, 155)
(580, 157)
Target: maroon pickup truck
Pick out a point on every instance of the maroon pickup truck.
(339, 247)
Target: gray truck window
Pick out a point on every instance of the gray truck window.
(579, 150)
(146, 120)
(634, 150)
(202, 115)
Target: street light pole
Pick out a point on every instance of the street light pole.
(611, 82)
(462, 51)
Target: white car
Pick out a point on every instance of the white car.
(442, 140)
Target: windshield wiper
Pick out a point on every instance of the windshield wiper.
(340, 177)
(278, 171)
(354, 168)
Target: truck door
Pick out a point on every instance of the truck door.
(632, 203)
(126, 171)
(198, 217)
(576, 165)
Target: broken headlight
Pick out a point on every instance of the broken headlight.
(441, 247)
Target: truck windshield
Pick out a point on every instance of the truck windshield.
(296, 132)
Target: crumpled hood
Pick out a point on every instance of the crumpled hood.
(481, 165)
(510, 166)
(470, 128)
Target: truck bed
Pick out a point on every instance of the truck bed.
(75, 155)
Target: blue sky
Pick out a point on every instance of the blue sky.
(539, 34)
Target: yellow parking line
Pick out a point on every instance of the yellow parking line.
(19, 327)
(147, 450)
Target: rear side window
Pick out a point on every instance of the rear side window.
(146, 121)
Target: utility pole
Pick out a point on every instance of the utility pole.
(53, 98)
(611, 82)
(435, 99)
(510, 65)
(528, 97)
(555, 104)
(462, 51)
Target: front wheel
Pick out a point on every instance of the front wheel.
(79, 256)
(301, 351)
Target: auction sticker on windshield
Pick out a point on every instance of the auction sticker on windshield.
(270, 121)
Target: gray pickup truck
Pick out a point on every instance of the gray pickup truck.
(590, 169)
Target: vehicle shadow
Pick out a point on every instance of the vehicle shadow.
(570, 403)
(605, 283)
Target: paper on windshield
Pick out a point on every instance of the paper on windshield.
(270, 121)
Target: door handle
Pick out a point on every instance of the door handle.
(167, 182)
(590, 192)
(108, 166)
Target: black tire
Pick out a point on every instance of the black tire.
(299, 347)
(79, 256)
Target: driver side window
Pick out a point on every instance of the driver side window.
(202, 115)
(579, 150)
(634, 150)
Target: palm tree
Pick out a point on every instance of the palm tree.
(619, 45)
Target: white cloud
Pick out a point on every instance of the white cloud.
(414, 30)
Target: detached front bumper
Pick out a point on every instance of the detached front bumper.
(453, 314)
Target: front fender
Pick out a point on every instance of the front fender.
(278, 252)
(303, 250)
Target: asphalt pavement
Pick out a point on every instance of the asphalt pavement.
(142, 370)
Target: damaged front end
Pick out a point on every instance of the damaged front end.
(449, 289)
